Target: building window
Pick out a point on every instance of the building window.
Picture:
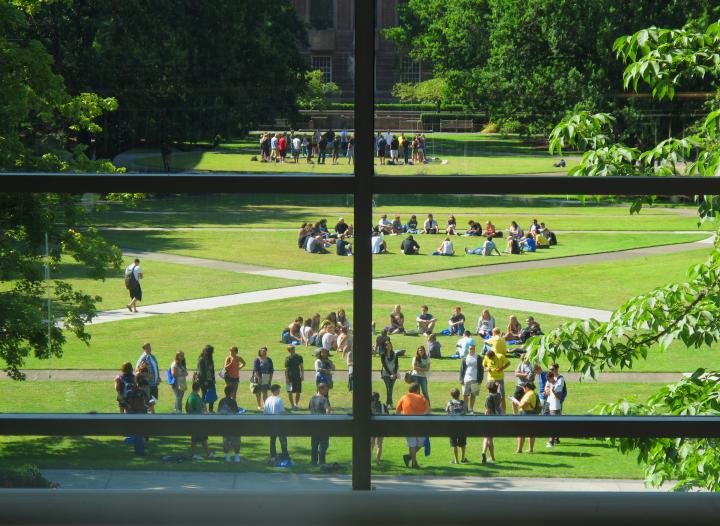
(409, 70)
(322, 14)
(322, 63)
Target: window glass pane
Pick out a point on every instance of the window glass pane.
(322, 14)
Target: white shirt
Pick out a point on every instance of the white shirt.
(274, 406)
(430, 223)
(274, 143)
(328, 340)
(376, 244)
(553, 398)
(471, 363)
(447, 247)
(136, 272)
(309, 243)
(296, 143)
(306, 332)
(388, 137)
(463, 344)
(384, 221)
(349, 360)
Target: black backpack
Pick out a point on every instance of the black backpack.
(130, 281)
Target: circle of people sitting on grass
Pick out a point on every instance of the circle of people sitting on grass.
(316, 238)
(276, 147)
(484, 353)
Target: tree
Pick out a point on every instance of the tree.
(317, 92)
(687, 312)
(432, 91)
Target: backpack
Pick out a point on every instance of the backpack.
(136, 399)
(130, 281)
(170, 377)
(538, 406)
(563, 393)
(515, 247)
(127, 387)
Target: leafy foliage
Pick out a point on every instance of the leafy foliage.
(317, 92)
(433, 91)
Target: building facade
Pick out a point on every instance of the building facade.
(331, 38)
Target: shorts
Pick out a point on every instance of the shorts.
(519, 393)
(260, 388)
(231, 442)
(501, 387)
(197, 438)
(471, 388)
(555, 412)
(415, 441)
(294, 386)
(458, 441)
(154, 392)
(136, 293)
(229, 380)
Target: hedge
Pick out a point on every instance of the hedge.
(435, 118)
(400, 107)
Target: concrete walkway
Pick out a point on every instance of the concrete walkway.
(282, 482)
(518, 265)
(103, 375)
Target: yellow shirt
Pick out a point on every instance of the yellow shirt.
(541, 240)
(498, 344)
(499, 361)
(528, 401)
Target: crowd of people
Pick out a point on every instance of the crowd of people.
(483, 352)
(317, 238)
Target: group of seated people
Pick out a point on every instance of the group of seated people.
(332, 333)
(317, 239)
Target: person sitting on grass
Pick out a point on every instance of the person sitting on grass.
(409, 246)
(307, 333)
(513, 246)
(430, 226)
(434, 346)
(341, 227)
(451, 228)
(445, 249)
(412, 225)
(425, 321)
(303, 234)
(378, 243)
(485, 250)
(514, 230)
(456, 407)
(542, 239)
(316, 245)
(514, 329)
(532, 329)
(343, 247)
(397, 226)
(493, 407)
(228, 406)
(534, 226)
(490, 230)
(413, 404)
(485, 325)
(344, 341)
(397, 321)
(385, 226)
(527, 406)
(293, 332)
(195, 406)
(456, 323)
(474, 229)
(528, 243)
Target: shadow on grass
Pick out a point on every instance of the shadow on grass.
(149, 241)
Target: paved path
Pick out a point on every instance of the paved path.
(601, 257)
(283, 482)
(103, 375)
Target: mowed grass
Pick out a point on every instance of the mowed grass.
(604, 285)
(278, 211)
(164, 282)
(279, 249)
(572, 458)
(252, 326)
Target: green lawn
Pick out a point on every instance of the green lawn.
(117, 342)
(279, 249)
(166, 282)
(600, 285)
(573, 458)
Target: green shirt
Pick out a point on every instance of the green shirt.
(194, 404)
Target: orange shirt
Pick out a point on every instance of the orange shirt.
(412, 404)
(232, 367)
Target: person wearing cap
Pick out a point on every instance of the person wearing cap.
(524, 375)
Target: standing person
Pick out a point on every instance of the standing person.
(420, 370)
(179, 372)
(455, 407)
(351, 149)
(377, 408)
(425, 321)
(294, 376)
(124, 384)
(228, 406)
(233, 364)
(137, 402)
(389, 363)
(413, 404)
(206, 376)
(555, 396)
(297, 148)
(148, 358)
(195, 406)
(405, 148)
(274, 406)
(336, 143)
(528, 406)
(524, 375)
(471, 375)
(282, 147)
(456, 323)
(324, 368)
(133, 275)
(262, 375)
(495, 365)
(319, 444)
(493, 407)
(381, 144)
(394, 147)
(322, 146)
(349, 362)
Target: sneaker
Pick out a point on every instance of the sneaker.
(471, 412)
(227, 458)
(464, 461)
(237, 459)
(406, 459)
(198, 457)
(491, 461)
(416, 466)
(484, 458)
(549, 444)
(453, 461)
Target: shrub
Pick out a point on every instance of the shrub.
(27, 476)
(490, 127)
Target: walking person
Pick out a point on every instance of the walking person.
(133, 275)
(148, 358)
(233, 364)
(377, 408)
(319, 444)
(179, 373)
(413, 404)
(389, 371)
(420, 370)
(206, 376)
(274, 406)
(294, 377)
(261, 378)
